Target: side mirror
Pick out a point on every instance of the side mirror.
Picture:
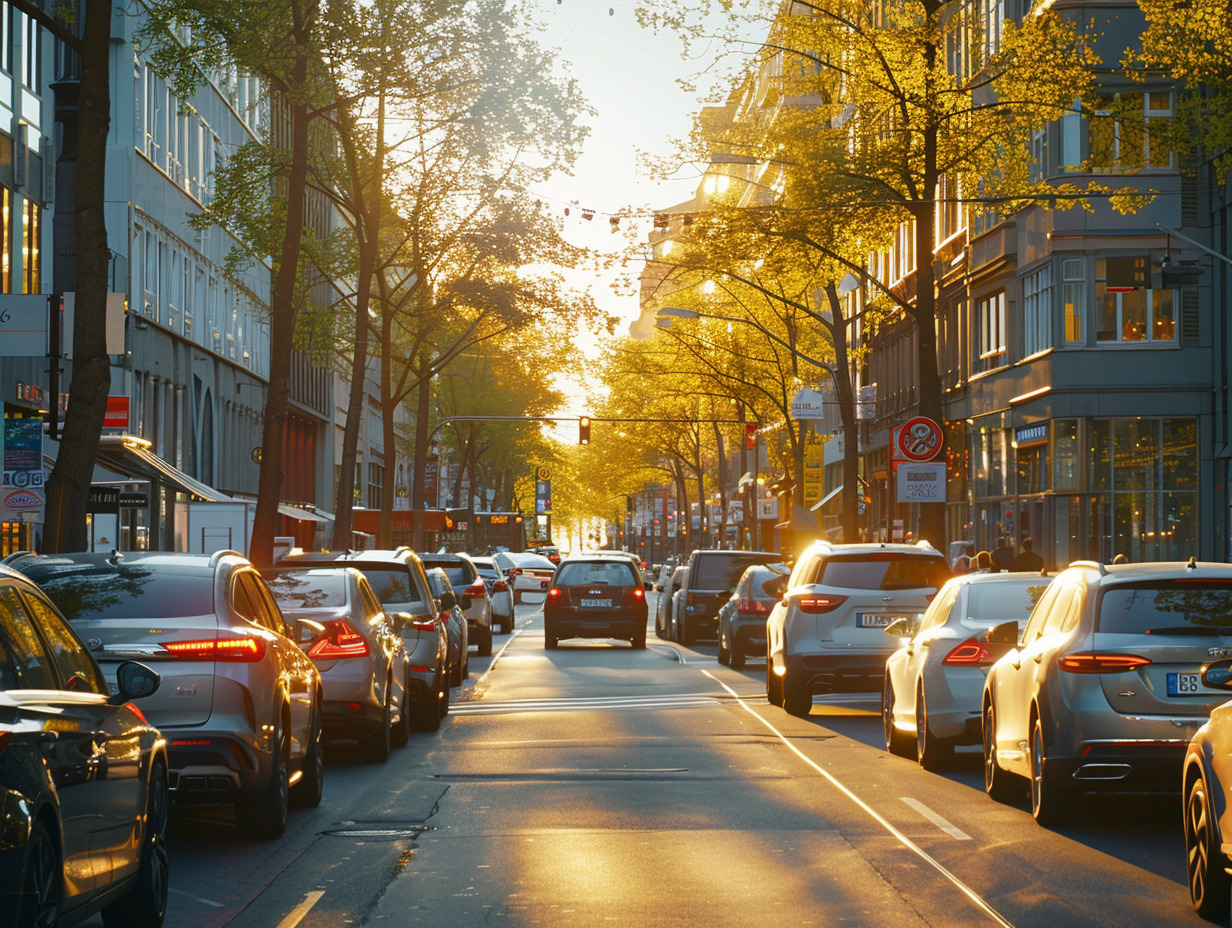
(135, 681)
(447, 601)
(1218, 675)
(307, 629)
(1005, 633)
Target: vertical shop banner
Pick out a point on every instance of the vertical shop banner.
(22, 495)
(814, 467)
(431, 491)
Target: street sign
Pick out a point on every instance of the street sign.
(918, 440)
(921, 483)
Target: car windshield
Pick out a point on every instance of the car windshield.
(723, 571)
(990, 604)
(888, 571)
(458, 572)
(1166, 607)
(393, 586)
(129, 592)
(320, 590)
(612, 573)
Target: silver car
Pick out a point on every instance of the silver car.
(365, 669)
(472, 595)
(1206, 789)
(742, 619)
(1103, 689)
(663, 608)
(931, 698)
(499, 592)
(531, 573)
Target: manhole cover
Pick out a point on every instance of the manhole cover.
(389, 834)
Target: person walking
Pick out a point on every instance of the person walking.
(984, 564)
(965, 562)
(1003, 556)
(1027, 559)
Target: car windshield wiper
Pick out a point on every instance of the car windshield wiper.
(1191, 630)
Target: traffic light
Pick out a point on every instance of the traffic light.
(584, 430)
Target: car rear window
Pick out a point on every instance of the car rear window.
(769, 585)
(295, 590)
(459, 573)
(129, 592)
(1166, 607)
(990, 604)
(393, 586)
(723, 571)
(613, 573)
(888, 571)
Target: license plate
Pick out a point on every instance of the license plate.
(875, 620)
(596, 603)
(1185, 684)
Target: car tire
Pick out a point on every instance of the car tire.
(484, 644)
(42, 883)
(724, 654)
(686, 633)
(1209, 884)
(443, 702)
(426, 716)
(378, 744)
(145, 905)
(660, 631)
(931, 752)
(1050, 804)
(549, 641)
(402, 731)
(895, 741)
(996, 781)
(306, 794)
(736, 661)
(264, 814)
(797, 700)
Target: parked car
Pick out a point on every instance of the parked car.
(675, 608)
(742, 620)
(240, 703)
(1103, 688)
(397, 578)
(459, 659)
(365, 670)
(472, 595)
(83, 782)
(551, 552)
(825, 635)
(499, 592)
(595, 597)
(712, 579)
(1206, 787)
(930, 701)
(531, 573)
(663, 608)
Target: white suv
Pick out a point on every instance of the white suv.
(826, 634)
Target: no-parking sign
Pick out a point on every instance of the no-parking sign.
(918, 440)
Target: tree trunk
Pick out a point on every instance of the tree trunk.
(849, 518)
(422, 409)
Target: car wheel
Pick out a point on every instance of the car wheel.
(774, 683)
(1209, 884)
(895, 742)
(736, 660)
(930, 751)
(444, 701)
(996, 781)
(402, 731)
(549, 637)
(797, 700)
(686, 633)
(426, 715)
(1050, 804)
(638, 638)
(659, 633)
(145, 905)
(455, 672)
(307, 792)
(724, 654)
(43, 886)
(264, 815)
(378, 744)
(484, 645)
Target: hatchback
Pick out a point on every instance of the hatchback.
(447, 608)
(471, 593)
(595, 597)
(711, 580)
(933, 683)
(365, 670)
(83, 777)
(530, 573)
(1103, 689)
(240, 702)
(498, 591)
(742, 621)
(826, 634)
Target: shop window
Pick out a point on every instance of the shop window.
(1065, 455)
(1032, 466)
(1141, 315)
(31, 257)
(376, 484)
(6, 240)
(988, 463)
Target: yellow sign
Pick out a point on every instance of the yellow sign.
(543, 474)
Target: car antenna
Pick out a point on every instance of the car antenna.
(1193, 562)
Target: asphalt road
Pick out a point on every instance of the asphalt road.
(597, 784)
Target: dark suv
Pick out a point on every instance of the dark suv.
(595, 596)
(711, 580)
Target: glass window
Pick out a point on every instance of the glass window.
(1032, 464)
(1065, 456)
(1120, 131)
(124, 592)
(1154, 606)
(1039, 615)
(1074, 297)
(938, 611)
(884, 572)
(611, 573)
(298, 590)
(723, 571)
(1179, 454)
(394, 587)
(78, 672)
(1142, 315)
(990, 334)
(24, 661)
(1037, 311)
(988, 463)
(31, 256)
(990, 604)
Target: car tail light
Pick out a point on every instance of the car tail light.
(1097, 662)
(476, 590)
(248, 649)
(515, 571)
(639, 594)
(688, 599)
(816, 605)
(340, 640)
(426, 625)
(971, 651)
(751, 605)
(554, 593)
(500, 586)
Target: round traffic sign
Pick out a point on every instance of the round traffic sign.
(920, 439)
(543, 474)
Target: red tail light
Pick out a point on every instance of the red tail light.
(751, 605)
(500, 586)
(816, 605)
(554, 593)
(340, 640)
(688, 598)
(427, 625)
(1096, 662)
(515, 571)
(476, 590)
(639, 594)
(249, 649)
(971, 651)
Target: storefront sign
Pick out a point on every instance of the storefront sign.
(23, 469)
(116, 416)
(921, 483)
(1031, 434)
(808, 404)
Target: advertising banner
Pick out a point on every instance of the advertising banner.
(22, 495)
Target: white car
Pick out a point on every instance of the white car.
(498, 590)
(931, 698)
(530, 573)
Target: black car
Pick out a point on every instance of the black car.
(595, 597)
(711, 580)
(83, 777)
(742, 620)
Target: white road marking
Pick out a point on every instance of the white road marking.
(906, 842)
(669, 701)
(952, 830)
(296, 915)
(217, 905)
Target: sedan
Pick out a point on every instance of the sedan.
(364, 666)
(83, 782)
(931, 698)
(530, 573)
(742, 619)
(498, 591)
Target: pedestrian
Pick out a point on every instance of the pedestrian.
(1003, 556)
(984, 564)
(1027, 558)
(965, 562)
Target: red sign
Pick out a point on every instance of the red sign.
(116, 416)
(750, 435)
(919, 439)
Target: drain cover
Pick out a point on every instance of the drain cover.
(390, 834)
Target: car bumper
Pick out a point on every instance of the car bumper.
(570, 624)
(1112, 766)
(749, 638)
(840, 672)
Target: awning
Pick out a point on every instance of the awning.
(132, 457)
(816, 507)
(304, 515)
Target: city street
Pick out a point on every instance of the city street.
(597, 784)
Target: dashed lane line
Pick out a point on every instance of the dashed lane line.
(952, 830)
(296, 915)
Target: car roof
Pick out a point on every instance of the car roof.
(367, 556)
(48, 563)
(1156, 570)
(920, 547)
